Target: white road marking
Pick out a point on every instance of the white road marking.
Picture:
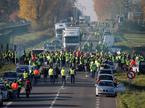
(97, 102)
(58, 93)
(86, 41)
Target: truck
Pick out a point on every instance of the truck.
(108, 39)
(59, 27)
(84, 19)
(71, 38)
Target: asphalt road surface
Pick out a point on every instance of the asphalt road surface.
(78, 95)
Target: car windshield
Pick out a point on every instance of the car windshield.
(105, 83)
(105, 67)
(22, 69)
(109, 62)
(105, 72)
(105, 77)
(12, 75)
(59, 31)
(72, 39)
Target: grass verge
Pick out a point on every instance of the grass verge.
(131, 40)
(28, 37)
(7, 68)
(134, 96)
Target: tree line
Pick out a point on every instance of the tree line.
(42, 13)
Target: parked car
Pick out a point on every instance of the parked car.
(104, 77)
(21, 68)
(10, 76)
(111, 64)
(105, 71)
(105, 66)
(105, 87)
(142, 67)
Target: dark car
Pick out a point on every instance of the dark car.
(10, 76)
(142, 67)
(21, 68)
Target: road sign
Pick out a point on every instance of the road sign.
(131, 75)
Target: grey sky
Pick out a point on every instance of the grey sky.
(87, 6)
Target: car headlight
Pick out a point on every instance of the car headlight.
(100, 90)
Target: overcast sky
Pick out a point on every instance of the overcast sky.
(87, 6)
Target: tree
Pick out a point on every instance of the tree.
(143, 8)
(107, 9)
(7, 7)
(44, 12)
(27, 10)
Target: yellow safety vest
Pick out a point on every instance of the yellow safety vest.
(50, 71)
(25, 75)
(72, 72)
(62, 72)
(97, 63)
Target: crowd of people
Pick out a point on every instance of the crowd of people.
(7, 57)
(53, 66)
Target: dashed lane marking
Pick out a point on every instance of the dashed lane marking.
(58, 93)
(97, 102)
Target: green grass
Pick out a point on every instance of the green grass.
(7, 68)
(28, 37)
(132, 40)
(134, 96)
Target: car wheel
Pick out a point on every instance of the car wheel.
(115, 95)
(1, 103)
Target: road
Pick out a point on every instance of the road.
(79, 95)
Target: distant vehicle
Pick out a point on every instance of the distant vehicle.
(108, 39)
(111, 64)
(105, 87)
(10, 76)
(59, 27)
(21, 68)
(71, 38)
(84, 19)
(105, 71)
(49, 47)
(57, 43)
(104, 77)
(142, 67)
(105, 66)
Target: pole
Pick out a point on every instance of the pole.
(15, 57)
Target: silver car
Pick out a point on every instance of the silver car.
(105, 87)
(105, 71)
(105, 77)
